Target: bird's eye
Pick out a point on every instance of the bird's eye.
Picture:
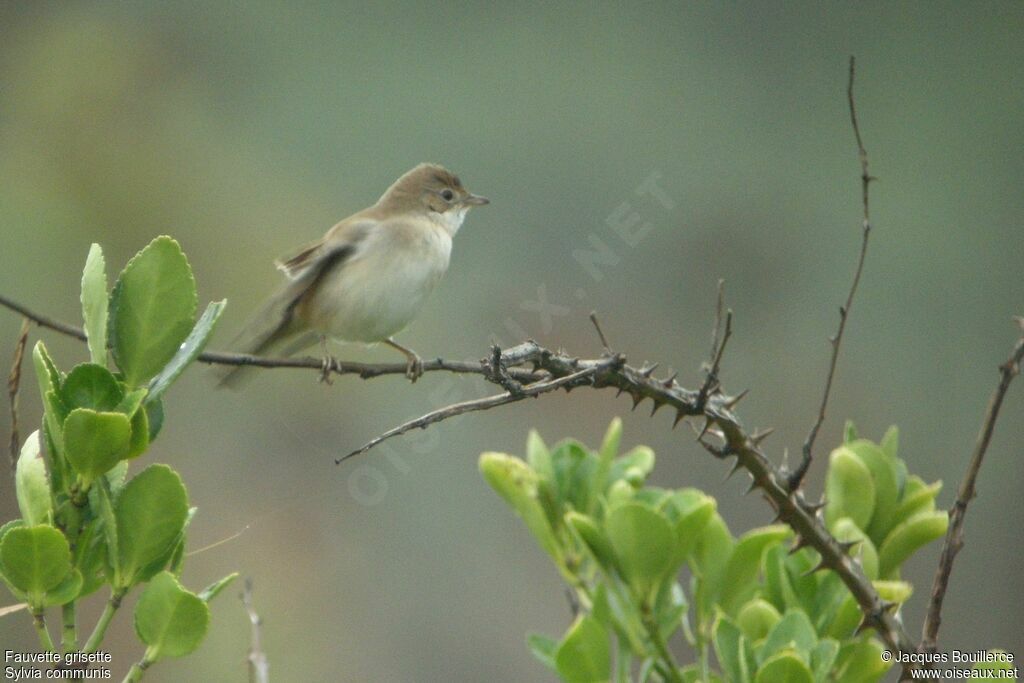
(447, 195)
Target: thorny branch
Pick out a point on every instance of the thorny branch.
(955, 533)
(798, 474)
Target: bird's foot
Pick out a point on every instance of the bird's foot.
(414, 364)
(328, 364)
(414, 368)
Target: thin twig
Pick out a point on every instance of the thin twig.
(259, 666)
(796, 478)
(484, 403)
(13, 384)
(719, 307)
(955, 533)
(600, 333)
(717, 349)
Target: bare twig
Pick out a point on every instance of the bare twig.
(600, 333)
(259, 667)
(796, 478)
(575, 379)
(13, 384)
(955, 533)
(711, 379)
(719, 307)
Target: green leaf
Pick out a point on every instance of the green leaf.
(12, 524)
(139, 441)
(861, 662)
(644, 544)
(211, 591)
(640, 459)
(94, 442)
(884, 475)
(823, 657)
(49, 385)
(543, 648)
(917, 497)
(116, 477)
(574, 466)
(152, 309)
(593, 539)
(757, 618)
(744, 565)
(189, 350)
(131, 402)
(890, 443)
(89, 556)
(904, 540)
(845, 530)
(91, 386)
(708, 560)
(65, 591)
(793, 632)
(173, 559)
(101, 503)
(669, 608)
(689, 510)
(894, 591)
(518, 484)
(538, 457)
(605, 458)
(847, 618)
(94, 304)
(778, 589)
(584, 655)
(849, 489)
(732, 650)
(155, 415)
(31, 485)
(849, 432)
(35, 559)
(784, 667)
(151, 513)
(612, 439)
(169, 619)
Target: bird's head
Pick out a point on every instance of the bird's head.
(433, 189)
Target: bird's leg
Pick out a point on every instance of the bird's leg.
(414, 366)
(327, 361)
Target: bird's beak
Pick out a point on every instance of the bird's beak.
(476, 200)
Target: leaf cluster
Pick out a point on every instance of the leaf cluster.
(84, 523)
(755, 607)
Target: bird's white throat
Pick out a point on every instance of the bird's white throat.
(451, 220)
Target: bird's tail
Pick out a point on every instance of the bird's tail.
(273, 330)
(269, 341)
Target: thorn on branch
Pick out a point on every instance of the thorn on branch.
(731, 403)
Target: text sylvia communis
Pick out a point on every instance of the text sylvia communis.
(367, 278)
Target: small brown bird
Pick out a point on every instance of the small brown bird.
(367, 278)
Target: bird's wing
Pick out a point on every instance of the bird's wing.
(345, 235)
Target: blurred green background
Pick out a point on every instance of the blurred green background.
(244, 129)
